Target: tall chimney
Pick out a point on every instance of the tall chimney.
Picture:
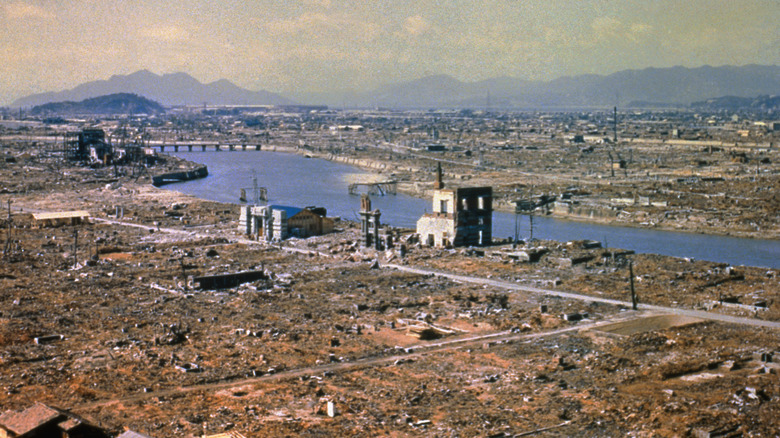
(438, 184)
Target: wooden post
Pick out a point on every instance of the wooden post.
(184, 272)
(8, 239)
(633, 294)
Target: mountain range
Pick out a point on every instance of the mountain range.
(168, 89)
(733, 103)
(675, 86)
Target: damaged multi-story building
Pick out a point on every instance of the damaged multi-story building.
(461, 216)
(89, 145)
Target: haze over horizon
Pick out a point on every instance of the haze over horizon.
(294, 47)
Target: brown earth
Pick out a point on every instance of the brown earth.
(326, 325)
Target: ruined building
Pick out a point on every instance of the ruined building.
(369, 223)
(278, 222)
(89, 145)
(42, 421)
(460, 217)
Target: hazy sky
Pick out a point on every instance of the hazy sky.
(314, 45)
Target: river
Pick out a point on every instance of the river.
(298, 181)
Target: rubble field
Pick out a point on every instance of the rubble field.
(714, 186)
(108, 319)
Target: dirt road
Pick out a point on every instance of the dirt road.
(574, 296)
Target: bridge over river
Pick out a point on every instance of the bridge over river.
(202, 146)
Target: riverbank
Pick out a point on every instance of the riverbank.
(180, 176)
(292, 179)
(416, 180)
(330, 339)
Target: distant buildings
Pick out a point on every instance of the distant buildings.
(460, 217)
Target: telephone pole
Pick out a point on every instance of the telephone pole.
(633, 294)
(614, 125)
(75, 248)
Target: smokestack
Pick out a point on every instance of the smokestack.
(438, 184)
(614, 125)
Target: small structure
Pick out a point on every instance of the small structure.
(229, 434)
(59, 218)
(461, 217)
(263, 221)
(131, 434)
(382, 188)
(223, 281)
(308, 221)
(278, 222)
(41, 421)
(369, 223)
(619, 164)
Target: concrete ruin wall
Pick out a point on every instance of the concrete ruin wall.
(583, 210)
(461, 217)
(444, 201)
(440, 226)
(474, 229)
(254, 220)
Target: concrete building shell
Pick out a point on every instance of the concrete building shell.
(460, 217)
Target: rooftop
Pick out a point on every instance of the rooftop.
(22, 422)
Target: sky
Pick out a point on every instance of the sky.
(296, 46)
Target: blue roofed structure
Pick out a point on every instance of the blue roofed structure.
(290, 211)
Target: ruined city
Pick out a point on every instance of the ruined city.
(134, 310)
(321, 218)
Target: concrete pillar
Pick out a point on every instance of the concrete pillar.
(377, 242)
(331, 409)
(365, 228)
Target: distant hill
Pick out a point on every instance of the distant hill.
(676, 86)
(734, 103)
(120, 103)
(169, 89)
(657, 87)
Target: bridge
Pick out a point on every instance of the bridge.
(381, 188)
(160, 145)
(202, 146)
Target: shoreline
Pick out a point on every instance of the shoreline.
(409, 188)
(456, 328)
(371, 164)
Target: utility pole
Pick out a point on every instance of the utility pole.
(75, 247)
(633, 294)
(614, 125)
(184, 272)
(7, 248)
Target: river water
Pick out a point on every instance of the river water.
(297, 181)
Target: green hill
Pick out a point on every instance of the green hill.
(120, 103)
